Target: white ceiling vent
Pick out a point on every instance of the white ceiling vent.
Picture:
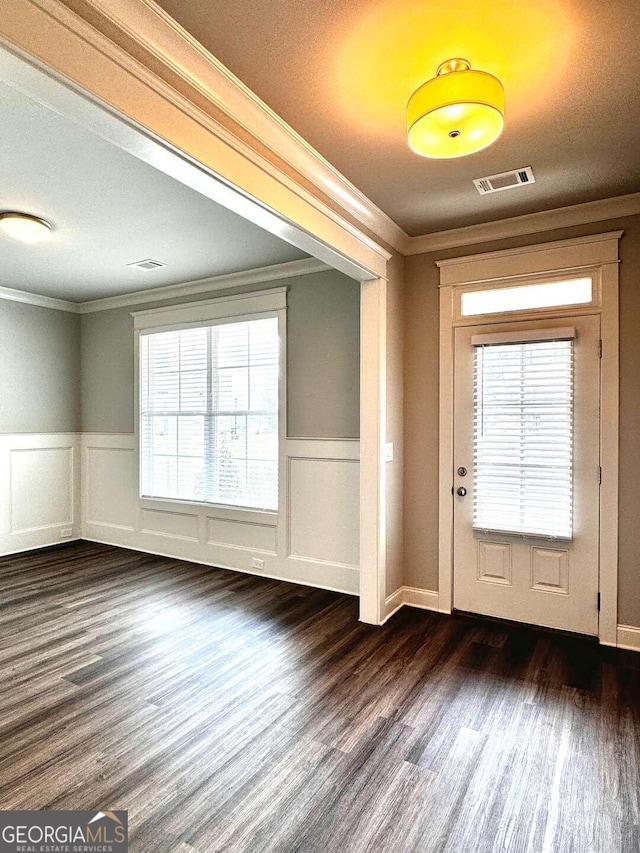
(147, 264)
(504, 181)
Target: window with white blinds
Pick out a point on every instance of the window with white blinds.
(523, 437)
(209, 413)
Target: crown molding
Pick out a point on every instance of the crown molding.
(154, 30)
(275, 272)
(28, 298)
(529, 223)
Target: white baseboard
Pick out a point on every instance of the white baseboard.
(392, 604)
(628, 638)
(410, 596)
(58, 543)
(425, 599)
(345, 589)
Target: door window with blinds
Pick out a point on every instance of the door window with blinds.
(209, 412)
(523, 434)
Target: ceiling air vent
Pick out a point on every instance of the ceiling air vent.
(504, 181)
(147, 264)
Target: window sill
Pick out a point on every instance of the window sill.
(268, 518)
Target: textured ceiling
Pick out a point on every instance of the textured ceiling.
(340, 73)
(109, 209)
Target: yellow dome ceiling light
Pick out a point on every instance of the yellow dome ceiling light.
(458, 112)
(24, 226)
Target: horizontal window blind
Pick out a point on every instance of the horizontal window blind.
(523, 438)
(209, 413)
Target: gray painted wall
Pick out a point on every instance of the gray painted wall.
(323, 345)
(40, 369)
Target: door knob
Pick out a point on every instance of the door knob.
(461, 491)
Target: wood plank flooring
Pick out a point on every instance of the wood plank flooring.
(233, 713)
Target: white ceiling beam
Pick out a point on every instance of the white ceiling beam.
(174, 46)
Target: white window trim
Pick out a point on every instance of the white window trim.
(191, 313)
(223, 308)
(598, 255)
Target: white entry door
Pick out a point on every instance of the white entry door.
(527, 471)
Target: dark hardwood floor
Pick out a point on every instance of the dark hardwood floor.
(234, 713)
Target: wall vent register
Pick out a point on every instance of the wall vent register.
(523, 434)
(505, 181)
(148, 265)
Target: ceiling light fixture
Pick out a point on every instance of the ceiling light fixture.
(458, 112)
(24, 227)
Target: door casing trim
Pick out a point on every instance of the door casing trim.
(601, 254)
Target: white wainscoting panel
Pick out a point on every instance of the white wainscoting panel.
(176, 525)
(40, 493)
(41, 488)
(313, 540)
(324, 509)
(108, 481)
(241, 534)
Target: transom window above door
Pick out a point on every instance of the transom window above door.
(526, 297)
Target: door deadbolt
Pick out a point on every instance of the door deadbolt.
(461, 491)
(462, 471)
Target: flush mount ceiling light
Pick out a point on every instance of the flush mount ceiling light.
(24, 227)
(456, 113)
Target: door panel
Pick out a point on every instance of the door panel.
(533, 471)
